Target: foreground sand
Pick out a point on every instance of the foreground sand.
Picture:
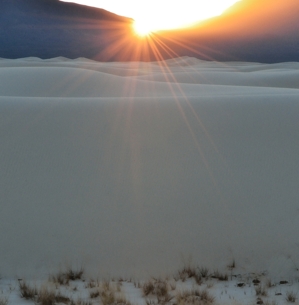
(188, 286)
(129, 168)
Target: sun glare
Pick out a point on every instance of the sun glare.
(142, 28)
(156, 15)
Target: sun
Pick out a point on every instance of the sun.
(156, 15)
(142, 28)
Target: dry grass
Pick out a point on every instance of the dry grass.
(63, 278)
(190, 272)
(204, 272)
(27, 292)
(194, 297)
(261, 290)
(42, 296)
(291, 297)
(220, 276)
(158, 289)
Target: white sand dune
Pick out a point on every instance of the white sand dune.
(127, 167)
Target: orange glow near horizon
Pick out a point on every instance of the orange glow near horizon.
(156, 15)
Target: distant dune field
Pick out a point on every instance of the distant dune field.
(131, 168)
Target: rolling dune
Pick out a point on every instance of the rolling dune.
(126, 168)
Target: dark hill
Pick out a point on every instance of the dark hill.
(50, 28)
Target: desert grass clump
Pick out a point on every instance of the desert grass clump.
(46, 297)
(94, 294)
(74, 275)
(107, 297)
(92, 284)
(158, 289)
(232, 265)
(261, 290)
(269, 283)
(220, 276)
(27, 292)
(42, 296)
(63, 278)
(188, 272)
(109, 294)
(148, 288)
(121, 300)
(59, 278)
(194, 297)
(110, 298)
(291, 297)
(204, 272)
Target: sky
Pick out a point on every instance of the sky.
(157, 15)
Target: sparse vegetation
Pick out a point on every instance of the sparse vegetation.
(46, 297)
(190, 272)
(157, 288)
(291, 297)
(27, 292)
(261, 290)
(94, 294)
(269, 283)
(204, 272)
(232, 265)
(157, 291)
(63, 278)
(220, 276)
(42, 296)
(194, 297)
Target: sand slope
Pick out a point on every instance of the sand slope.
(127, 167)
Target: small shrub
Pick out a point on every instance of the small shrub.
(63, 278)
(107, 297)
(105, 285)
(73, 275)
(269, 283)
(291, 297)
(158, 288)
(204, 271)
(121, 300)
(59, 278)
(220, 276)
(232, 265)
(92, 284)
(148, 288)
(26, 291)
(46, 297)
(188, 272)
(194, 297)
(260, 290)
(94, 294)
